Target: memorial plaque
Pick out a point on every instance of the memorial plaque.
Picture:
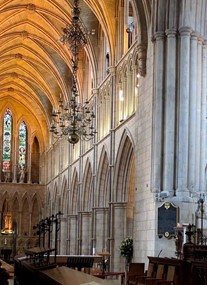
(167, 219)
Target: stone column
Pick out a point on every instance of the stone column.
(158, 112)
(119, 233)
(192, 113)
(29, 167)
(125, 95)
(183, 109)
(198, 117)
(15, 160)
(30, 224)
(169, 125)
(135, 83)
(130, 92)
(203, 120)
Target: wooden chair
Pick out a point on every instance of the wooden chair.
(148, 280)
(159, 275)
(140, 280)
(135, 269)
(170, 278)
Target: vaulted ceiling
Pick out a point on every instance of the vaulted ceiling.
(34, 64)
(35, 67)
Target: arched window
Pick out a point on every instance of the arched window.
(22, 145)
(7, 139)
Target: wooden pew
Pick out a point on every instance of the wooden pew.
(182, 269)
(151, 272)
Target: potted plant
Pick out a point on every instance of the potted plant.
(126, 249)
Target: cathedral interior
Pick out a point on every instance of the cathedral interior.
(108, 129)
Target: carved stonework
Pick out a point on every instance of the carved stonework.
(24, 35)
(31, 7)
(142, 58)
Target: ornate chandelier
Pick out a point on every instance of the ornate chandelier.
(74, 120)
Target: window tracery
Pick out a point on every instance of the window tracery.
(22, 145)
(7, 142)
(16, 153)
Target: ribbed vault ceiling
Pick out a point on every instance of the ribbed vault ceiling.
(34, 64)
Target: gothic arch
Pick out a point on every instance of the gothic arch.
(35, 160)
(87, 187)
(64, 197)
(15, 197)
(48, 202)
(74, 193)
(26, 211)
(55, 199)
(123, 168)
(103, 180)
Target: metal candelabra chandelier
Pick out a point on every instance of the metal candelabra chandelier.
(74, 120)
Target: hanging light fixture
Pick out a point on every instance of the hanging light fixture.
(74, 120)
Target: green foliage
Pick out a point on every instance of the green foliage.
(126, 248)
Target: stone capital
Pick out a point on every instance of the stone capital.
(171, 33)
(158, 36)
(185, 31)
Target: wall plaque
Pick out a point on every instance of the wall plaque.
(167, 219)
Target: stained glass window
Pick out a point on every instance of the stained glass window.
(22, 145)
(7, 137)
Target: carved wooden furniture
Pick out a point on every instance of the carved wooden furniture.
(135, 270)
(159, 275)
(169, 278)
(80, 262)
(151, 271)
(39, 256)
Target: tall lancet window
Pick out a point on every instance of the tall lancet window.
(22, 145)
(7, 142)
(22, 151)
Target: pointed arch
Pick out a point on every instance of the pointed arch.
(6, 214)
(35, 211)
(55, 203)
(48, 202)
(64, 197)
(74, 193)
(35, 161)
(25, 224)
(124, 168)
(103, 180)
(16, 211)
(87, 187)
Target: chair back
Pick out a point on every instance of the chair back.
(160, 271)
(150, 270)
(170, 273)
(135, 269)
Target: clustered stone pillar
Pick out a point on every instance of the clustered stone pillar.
(158, 111)
(183, 109)
(203, 119)
(198, 115)
(169, 125)
(192, 114)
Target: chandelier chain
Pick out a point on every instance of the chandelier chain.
(74, 120)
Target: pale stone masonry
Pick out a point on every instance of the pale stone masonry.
(149, 95)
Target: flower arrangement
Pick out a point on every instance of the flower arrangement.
(126, 249)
